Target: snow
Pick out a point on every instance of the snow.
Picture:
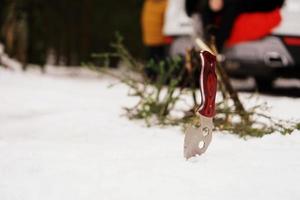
(64, 137)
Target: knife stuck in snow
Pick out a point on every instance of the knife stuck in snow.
(197, 139)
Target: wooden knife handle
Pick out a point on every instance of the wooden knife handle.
(208, 84)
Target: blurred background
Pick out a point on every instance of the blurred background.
(258, 39)
(70, 30)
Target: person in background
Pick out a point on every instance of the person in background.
(152, 22)
(237, 20)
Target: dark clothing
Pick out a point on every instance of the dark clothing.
(157, 53)
(193, 6)
(227, 16)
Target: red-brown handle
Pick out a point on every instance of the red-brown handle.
(208, 83)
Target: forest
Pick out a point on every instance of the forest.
(70, 30)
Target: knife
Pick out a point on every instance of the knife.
(197, 139)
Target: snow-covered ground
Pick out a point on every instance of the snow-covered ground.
(63, 138)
